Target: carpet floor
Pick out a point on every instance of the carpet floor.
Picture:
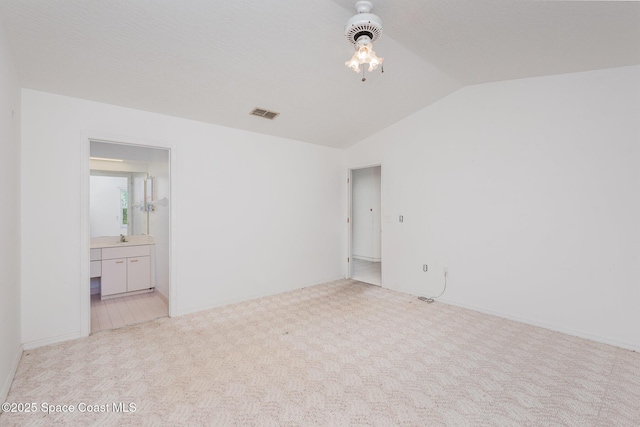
(337, 354)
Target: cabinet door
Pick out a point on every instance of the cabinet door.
(114, 276)
(138, 273)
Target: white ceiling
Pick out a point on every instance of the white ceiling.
(214, 61)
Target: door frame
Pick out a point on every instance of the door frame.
(350, 170)
(85, 234)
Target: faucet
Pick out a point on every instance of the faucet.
(123, 238)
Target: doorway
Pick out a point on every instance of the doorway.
(129, 229)
(365, 225)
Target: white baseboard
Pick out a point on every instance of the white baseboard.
(366, 258)
(576, 333)
(6, 384)
(126, 294)
(528, 321)
(30, 345)
(182, 312)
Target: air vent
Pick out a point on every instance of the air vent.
(260, 112)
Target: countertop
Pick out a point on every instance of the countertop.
(114, 241)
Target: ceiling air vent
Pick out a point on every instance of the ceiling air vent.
(260, 112)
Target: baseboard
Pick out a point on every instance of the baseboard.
(6, 385)
(366, 258)
(182, 312)
(576, 333)
(30, 345)
(549, 326)
(126, 294)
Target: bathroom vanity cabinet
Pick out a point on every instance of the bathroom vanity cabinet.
(123, 269)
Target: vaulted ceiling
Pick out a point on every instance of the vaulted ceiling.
(214, 61)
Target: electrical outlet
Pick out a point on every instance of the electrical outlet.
(425, 267)
(401, 219)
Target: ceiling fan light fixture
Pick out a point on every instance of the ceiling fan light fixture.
(353, 63)
(361, 31)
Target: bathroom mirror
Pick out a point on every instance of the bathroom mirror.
(128, 185)
(117, 203)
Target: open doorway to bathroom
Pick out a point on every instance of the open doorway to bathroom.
(129, 221)
(365, 225)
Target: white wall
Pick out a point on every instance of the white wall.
(365, 214)
(251, 214)
(10, 348)
(528, 191)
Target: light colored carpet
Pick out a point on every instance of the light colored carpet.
(337, 354)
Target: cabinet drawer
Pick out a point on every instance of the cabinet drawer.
(126, 252)
(96, 254)
(95, 267)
